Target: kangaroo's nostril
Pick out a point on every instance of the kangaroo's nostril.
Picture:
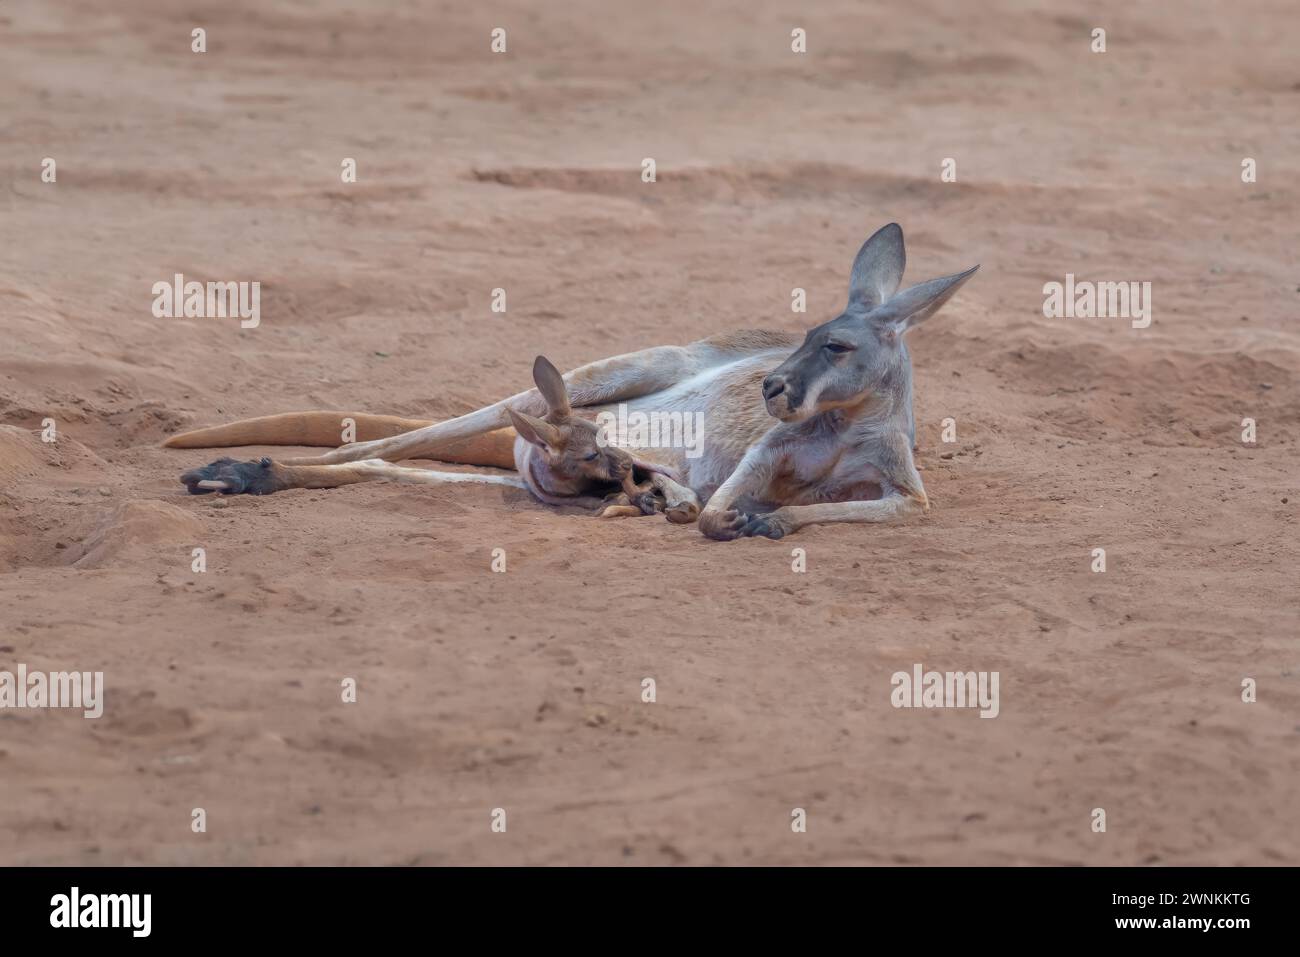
(772, 387)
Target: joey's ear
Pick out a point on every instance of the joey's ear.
(551, 385)
(539, 433)
(920, 302)
(878, 268)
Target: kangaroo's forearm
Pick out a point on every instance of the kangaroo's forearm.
(877, 510)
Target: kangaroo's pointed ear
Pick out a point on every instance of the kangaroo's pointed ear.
(920, 302)
(539, 433)
(878, 268)
(551, 385)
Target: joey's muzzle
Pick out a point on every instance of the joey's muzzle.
(618, 463)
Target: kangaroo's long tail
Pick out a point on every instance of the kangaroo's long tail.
(325, 428)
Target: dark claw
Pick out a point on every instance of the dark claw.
(240, 478)
(759, 525)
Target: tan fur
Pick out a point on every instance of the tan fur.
(495, 448)
(294, 428)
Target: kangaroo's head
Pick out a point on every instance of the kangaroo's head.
(575, 459)
(860, 353)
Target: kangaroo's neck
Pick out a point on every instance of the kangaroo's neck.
(889, 409)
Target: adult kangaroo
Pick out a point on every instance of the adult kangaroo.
(793, 433)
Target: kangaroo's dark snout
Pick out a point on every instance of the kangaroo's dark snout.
(782, 394)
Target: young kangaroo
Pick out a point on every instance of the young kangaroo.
(561, 458)
(797, 429)
(566, 460)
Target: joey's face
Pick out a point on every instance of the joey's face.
(575, 457)
(840, 364)
(580, 455)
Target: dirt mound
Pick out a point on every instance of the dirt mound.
(137, 528)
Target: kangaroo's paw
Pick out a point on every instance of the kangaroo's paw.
(234, 478)
(681, 505)
(768, 525)
(682, 513)
(620, 511)
(722, 525)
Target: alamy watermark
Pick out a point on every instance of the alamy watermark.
(130, 911)
(946, 689)
(656, 429)
(179, 299)
(1098, 300)
(53, 689)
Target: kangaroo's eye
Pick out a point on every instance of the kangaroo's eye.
(837, 348)
(591, 457)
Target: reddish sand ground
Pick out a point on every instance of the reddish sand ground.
(521, 690)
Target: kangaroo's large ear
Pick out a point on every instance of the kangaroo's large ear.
(919, 303)
(539, 433)
(551, 385)
(878, 268)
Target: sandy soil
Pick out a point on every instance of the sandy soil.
(522, 691)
